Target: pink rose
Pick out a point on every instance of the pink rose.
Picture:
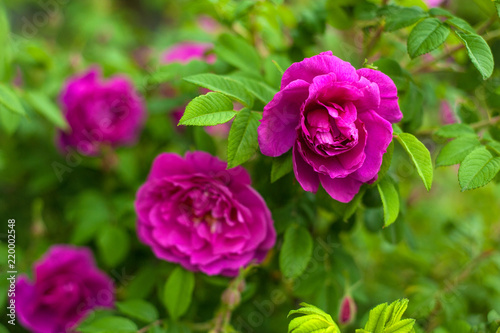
(100, 113)
(185, 52)
(66, 286)
(194, 212)
(336, 118)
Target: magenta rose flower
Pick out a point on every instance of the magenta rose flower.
(100, 112)
(336, 118)
(194, 212)
(185, 52)
(66, 286)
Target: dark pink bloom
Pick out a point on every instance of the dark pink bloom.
(66, 286)
(185, 52)
(194, 212)
(336, 118)
(100, 113)
(347, 310)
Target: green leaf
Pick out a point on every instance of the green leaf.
(296, 251)
(402, 17)
(9, 120)
(479, 53)
(178, 292)
(281, 166)
(110, 324)
(10, 100)
(438, 11)
(455, 151)
(259, 89)
(113, 244)
(497, 5)
(427, 36)
(208, 110)
(43, 105)
(386, 161)
(455, 131)
(390, 200)
(237, 52)
(478, 169)
(314, 321)
(242, 141)
(420, 156)
(138, 309)
(376, 319)
(495, 146)
(224, 85)
(403, 326)
(460, 24)
(395, 311)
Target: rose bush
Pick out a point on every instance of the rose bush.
(100, 112)
(66, 287)
(194, 212)
(338, 121)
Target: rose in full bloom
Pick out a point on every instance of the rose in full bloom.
(194, 212)
(185, 52)
(66, 286)
(336, 118)
(100, 112)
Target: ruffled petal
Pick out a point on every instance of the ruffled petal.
(280, 118)
(389, 108)
(323, 63)
(379, 136)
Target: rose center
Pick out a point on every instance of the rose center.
(329, 135)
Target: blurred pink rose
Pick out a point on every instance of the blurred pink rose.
(195, 212)
(447, 114)
(185, 52)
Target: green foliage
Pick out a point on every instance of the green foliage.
(138, 309)
(224, 85)
(237, 52)
(419, 155)
(479, 53)
(477, 169)
(314, 320)
(455, 151)
(178, 292)
(428, 35)
(113, 244)
(282, 165)
(208, 110)
(47, 108)
(455, 131)
(242, 141)
(390, 200)
(402, 17)
(296, 251)
(110, 324)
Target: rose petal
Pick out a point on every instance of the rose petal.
(389, 108)
(379, 136)
(276, 132)
(340, 189)
(305, 174)
(323, 63)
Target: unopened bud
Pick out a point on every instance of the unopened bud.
(231, 297)
(347, 310)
